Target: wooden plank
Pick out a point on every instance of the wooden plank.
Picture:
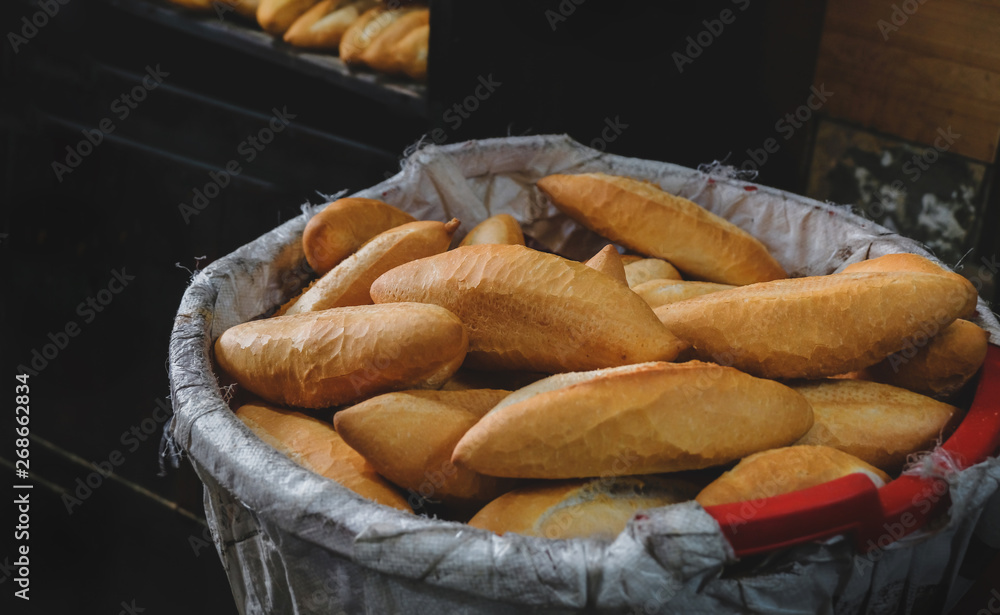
(940, 68)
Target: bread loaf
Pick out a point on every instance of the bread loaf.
(596, 508)
(608, 262)
(381, 53)
(784, 470)
(662, 292)
(323, 25)
(314, 444)
(276, 16)
(533, 311)
(365, 30)
(644, 218)
(817, 326)
(646, 269)
(342, 355)
(877, 423)
(501, 228)
(345, 225)
(349, 282)
(637, 419)
(409, 55)
(409, 437)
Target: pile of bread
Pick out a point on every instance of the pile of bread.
(389, 36)
(524, 392)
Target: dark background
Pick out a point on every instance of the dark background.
(140, 536)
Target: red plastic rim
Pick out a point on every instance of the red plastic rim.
(852, 504)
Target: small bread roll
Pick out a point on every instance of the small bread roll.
(608, 262)
(877, 423)
(819, 326)
(342, 355)
(349, 282)
(662, 292)
(940, 367)
(596, 508)
(314, 445)
(323, 26)
(380, 54)
(784, 470)
(409, 437)
(644, 218)
(646, 269)
(501, 228)
(637, 419)
(343, 226)
(276, 16)
(533, 311)
(365, 30)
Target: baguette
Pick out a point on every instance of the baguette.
(662, 292)
(637, 419)
(608, 262)
(533, 311)
(409, 437)
(912, 262)
(380, 54)
(646, 269)
(644, 218)
(784, 470)
(409, 55)
(323, 26)
(276, 16)
(598, 508)
(314, 445)
(365, 30)
(345, 225)
(501, 228)
(349, 282)
(877, 423)
(816, 326)
(342, 355)
(940, 366)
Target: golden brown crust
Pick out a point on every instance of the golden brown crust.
(784, 470)
(349, 282)
(342, 355)
(637, 419)
(276, 16)
(365, 30)
(314, 444)
(409, 437)
(817, 326)
(662, 292)
(409, 55)
(323, 26)
(533, 311)
(608, 262)
(345, 225)
(877, 423)
(940, 366)
(905, 261)
(501, 228)
(646, 269)
(597, 508)
(380, 54)
(648, 220)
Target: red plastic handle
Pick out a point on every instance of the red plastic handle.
(852, 504)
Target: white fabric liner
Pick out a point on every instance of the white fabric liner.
(293, 542)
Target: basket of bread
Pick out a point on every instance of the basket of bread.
(526, 374)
